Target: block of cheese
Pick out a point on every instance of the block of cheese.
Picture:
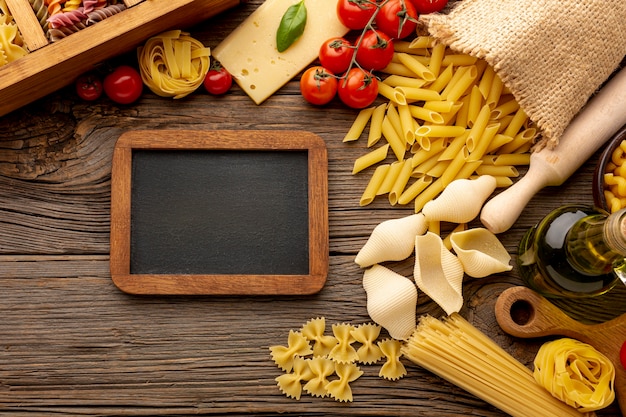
(249, 53)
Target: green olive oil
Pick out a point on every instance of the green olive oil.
(575, 251)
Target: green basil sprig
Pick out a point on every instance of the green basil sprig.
(291, 26)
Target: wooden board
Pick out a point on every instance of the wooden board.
(219, 212)
(58, 64)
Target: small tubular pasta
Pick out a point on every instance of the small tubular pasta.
(394, 139)
(440, 131)
(391, 93)
(358, 125)
(370, 158)
(401, 181)
(374, 184)
(497, 170)
(414, 64)
(460, 118)
(376, 122)
(401, 81)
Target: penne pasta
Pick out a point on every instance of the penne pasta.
(486, 81)
(440, 106)
(358, 126)
(395, 141)
(376, 121)
(442, 80)
(414, 189)
(390, 178)
(454, 147)
(391, 93)
(402, 81)
(401, 181)
(423, 154)
(370, 158)
(407, 123)
(495, 90)
(454, 167)
(456, 89)
(395, 68)
(512, 159)
(459, 60)
(478, 148)
(425, 114)
(436, 58)
(498, 170)
(417, 67)
(419, 94)
(440, 131)
(374, 184)
(422, 42)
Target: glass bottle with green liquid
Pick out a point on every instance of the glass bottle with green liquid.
(575, 251)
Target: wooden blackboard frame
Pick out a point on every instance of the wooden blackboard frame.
(218, 284)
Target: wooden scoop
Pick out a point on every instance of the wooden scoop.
(522, 312)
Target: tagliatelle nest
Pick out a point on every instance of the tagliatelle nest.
(173, 64)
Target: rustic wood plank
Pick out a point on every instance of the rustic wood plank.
(71, 343)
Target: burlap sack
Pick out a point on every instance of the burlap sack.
(551, 54)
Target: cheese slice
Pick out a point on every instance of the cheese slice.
(249, 53)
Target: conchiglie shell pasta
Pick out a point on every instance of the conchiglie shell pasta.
(461, 201)
(391, 301)
(438, 273)
(391, 240)
(480, 252)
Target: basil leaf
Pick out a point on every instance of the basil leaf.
(291, 26)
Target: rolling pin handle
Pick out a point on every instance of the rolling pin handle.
(499, 213)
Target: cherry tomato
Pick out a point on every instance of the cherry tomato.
(88, 87)
(355, 14)
(358, 89)
(374, 51)
(429, 6)
(622, 354)
(123, 85)
(318, 86)
(218, 80)
(336, 54)
(397, 18)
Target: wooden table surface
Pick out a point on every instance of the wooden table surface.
(71, 343)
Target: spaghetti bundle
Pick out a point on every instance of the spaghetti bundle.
(458, 352)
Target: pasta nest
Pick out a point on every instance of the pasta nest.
(173, 64)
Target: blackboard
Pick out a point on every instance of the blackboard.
(219, 212)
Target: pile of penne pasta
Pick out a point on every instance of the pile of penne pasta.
(449, 116)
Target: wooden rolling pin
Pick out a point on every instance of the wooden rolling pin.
(522, 312)
(601, 117)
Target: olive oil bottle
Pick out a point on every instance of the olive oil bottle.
(575, 251)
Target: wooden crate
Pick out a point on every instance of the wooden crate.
(51, 66)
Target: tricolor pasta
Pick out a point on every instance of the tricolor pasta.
(446, 113)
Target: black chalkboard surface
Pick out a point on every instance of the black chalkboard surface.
(221, 212)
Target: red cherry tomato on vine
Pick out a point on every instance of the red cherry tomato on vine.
(336, 54)
(88, 87)
(429, 6)
(622, 355)
(358, 89)
(355, 14)
(318, 86)
(123, 85)
(374, 51)
(218, 80)
(397, 18)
